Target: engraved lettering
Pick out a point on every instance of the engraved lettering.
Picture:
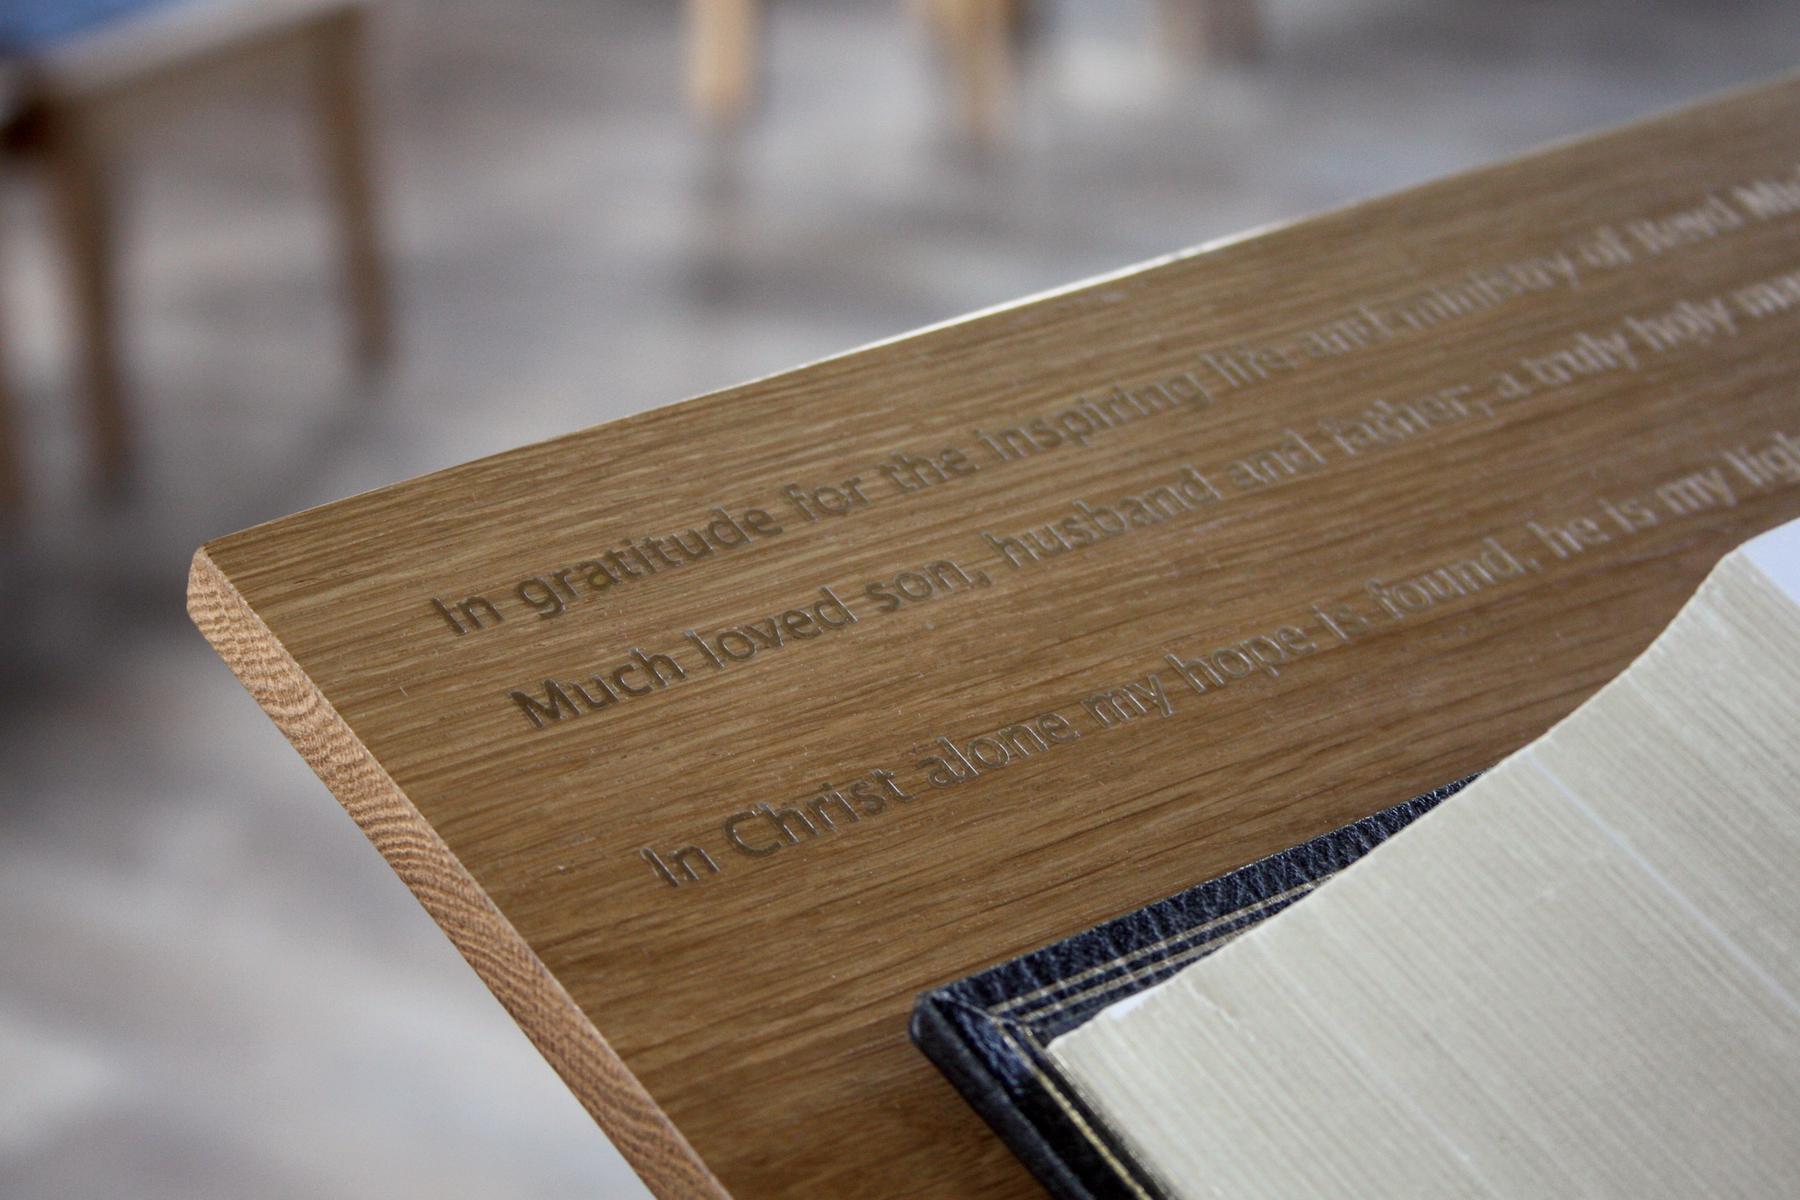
(940, 578)
(1462, 577)
(476, 612)
(1769, 297)
(1694, 493)
(1089, 524)
(1769, 466)
(1709, 220)
(914, 472)
(540, 596)
(1127, 703)
(827, 501)
(557, 705)
(652, 672)
(763, 830)
(1292, 456)
(683, 868)
(1768, 199)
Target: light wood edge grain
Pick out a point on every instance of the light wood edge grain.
(486, 939)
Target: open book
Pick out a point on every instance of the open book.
(1577, 975)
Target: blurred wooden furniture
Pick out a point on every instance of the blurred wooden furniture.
(12, 481)
(82, 72)
(724, 69)
(724, 48)
(976, 39)
(1213, 30)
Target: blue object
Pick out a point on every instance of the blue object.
(987, 1033)
(33, 26)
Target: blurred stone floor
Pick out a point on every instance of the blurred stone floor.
(210, 985)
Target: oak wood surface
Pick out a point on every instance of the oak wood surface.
(744, 1031)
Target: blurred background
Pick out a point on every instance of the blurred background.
(255, 256)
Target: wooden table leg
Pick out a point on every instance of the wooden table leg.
(12, 478)
(84, 214)
(724, 53)
(1216, 30)
(342, 98)
(341, 94)
(978, 37)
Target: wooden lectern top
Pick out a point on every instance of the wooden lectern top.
(713, 735)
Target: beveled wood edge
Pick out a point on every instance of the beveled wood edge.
(562, 1033)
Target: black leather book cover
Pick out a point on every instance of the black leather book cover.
(987, 1032)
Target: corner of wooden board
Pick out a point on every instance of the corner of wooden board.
(549, 1016)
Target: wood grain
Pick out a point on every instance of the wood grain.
(744, 1031)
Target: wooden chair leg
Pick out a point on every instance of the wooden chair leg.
(1215, 30)
(85, 223)
(12, 477)
(341, 94)
(724, 58)
(978, 38)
